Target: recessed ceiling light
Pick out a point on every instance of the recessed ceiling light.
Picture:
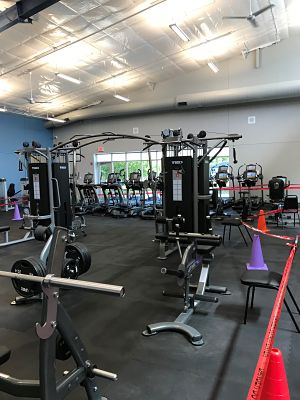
(213, 67)
(179, 32)
(118, 96)
(68, 78)
(62, 121)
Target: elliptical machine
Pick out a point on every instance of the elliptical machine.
(249, 177)
(222, 177)
(135, 193)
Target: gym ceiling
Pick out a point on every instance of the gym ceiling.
(118, 47)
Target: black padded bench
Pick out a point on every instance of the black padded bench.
(266, 280)
(235, 222)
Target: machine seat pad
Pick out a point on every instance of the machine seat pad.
(171, 239)
(5, 353)
(232, 221)
(267, 279)
(4, 228)
(202, 249)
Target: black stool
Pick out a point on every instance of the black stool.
(267, 280)
(234, 222)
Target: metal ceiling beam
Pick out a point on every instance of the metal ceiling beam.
(22, 12)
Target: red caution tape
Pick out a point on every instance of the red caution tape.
(282, 237)
(11, 203)
(256, 187)
(259, 376)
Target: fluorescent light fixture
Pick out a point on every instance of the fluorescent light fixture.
(3, 109)
(68, 78)
(213, 67)
(117, 96)
(175, 28)
(209, 49)
(62, 121)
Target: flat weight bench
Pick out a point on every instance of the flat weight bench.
(266, 280)
(5, 230)
(235, 222)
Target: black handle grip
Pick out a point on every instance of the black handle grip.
(234, 156)
(167, 271)
(203, 297)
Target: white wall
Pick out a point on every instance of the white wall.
(274, 140)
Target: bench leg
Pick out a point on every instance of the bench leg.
(243, 236)
(248, 233)
(293, 299)
(291, 315)
(224, 231)
(247, 304)
(252, 298)
(5, 237)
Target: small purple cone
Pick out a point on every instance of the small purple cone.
(257, 259)
(17, 216)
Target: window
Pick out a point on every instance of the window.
(129, 162)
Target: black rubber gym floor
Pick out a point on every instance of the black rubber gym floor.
(165, 366)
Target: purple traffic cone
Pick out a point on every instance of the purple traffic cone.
(257, 259)
(17, 216)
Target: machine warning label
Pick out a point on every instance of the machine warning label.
(177, 185)
(36, 187)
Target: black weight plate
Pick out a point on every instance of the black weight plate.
(70, 270)
(80, 253)
(42, 233)
(27, 266)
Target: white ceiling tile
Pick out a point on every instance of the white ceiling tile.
(142, 56)
(112, 43)
(96, 15)
(81, 6)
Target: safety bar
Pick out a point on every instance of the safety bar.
(51, 280)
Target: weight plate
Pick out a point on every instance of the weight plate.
(70, 270)
(79, 252)
(28, 266)
(42, 233)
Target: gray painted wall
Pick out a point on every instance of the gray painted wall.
(273, 141)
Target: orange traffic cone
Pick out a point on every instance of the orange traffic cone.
(261, 225)
(275, 384)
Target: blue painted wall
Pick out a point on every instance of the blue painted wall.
(14, 130)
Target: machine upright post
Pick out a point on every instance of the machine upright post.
(196, 190)
(50, 184)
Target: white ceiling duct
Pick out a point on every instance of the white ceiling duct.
(282, 90)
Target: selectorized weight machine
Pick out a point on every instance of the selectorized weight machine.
(185, 172)
(50, 206)
(58, 337)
